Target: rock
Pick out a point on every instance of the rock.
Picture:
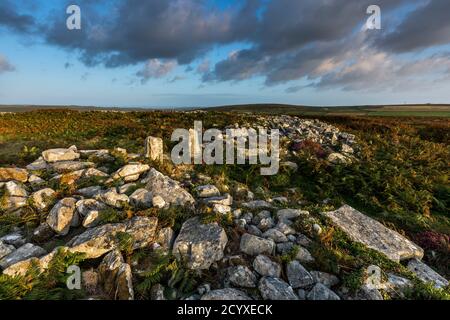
(200, 244)
(291, 214)
(275, 289)
(116, 276)
(321, 292)
(285, 248)
(225, 200)
(142, 230)
(317, 229)
(241, 276)
(142, 198)
(25, 252)
(396, 285)
(257, 204)
(69, 166)
(373, 234)
(10, 204)
(291, 165)
(275, 235)
(165, 238)
(7, 174)
(426, 274)
(301, 294)
(253, 230)
(304, 256)
(158, 202)
(337, 158)
(253, 245)
(345, 148)
(226, 294)
(266, 267)
(15, 239)
(42, 233)
(14, 189)
(35, 182)
(42, 199)
(266, 224)
(221, 209)
(366, 293)
(157, 292)
(303, 240)
(154, 149)
(90, 192)
(260, 216)
(127, 187)
(298, 276)
(113, 199)
(324, 278)
(55, 155)
(131, 170)
(5, 249)
(168, 189)
(285, 229)
(207, 191)
(63, 216)
(38, 164)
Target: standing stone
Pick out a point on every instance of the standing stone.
(373, 234)
(63, 216)
(200, 244)
(275, 289)
(298, 276)
(154, 149)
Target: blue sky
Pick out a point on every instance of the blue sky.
(222, 52)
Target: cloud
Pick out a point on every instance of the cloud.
(155, 69)
(5, 66)
(12, 20)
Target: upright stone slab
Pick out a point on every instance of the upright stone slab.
(154, 149)
(373, 234)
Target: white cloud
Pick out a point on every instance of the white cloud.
(155, 69)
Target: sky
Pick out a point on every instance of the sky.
(185, 53)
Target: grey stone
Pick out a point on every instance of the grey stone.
(201, 244)
(257, 204)
(275, 289)
(62, 216)
(304, 256)
(116, 276)
(166, 238)
(42, 233)
(266, 224)
(241, 276)
(5, 249)
(68, 166)
(207, 191)
(113, 199)
(25, 252)
(90, 192)
(426, 274)
(142, 198)
(328, 280)
(55, 155)
(298, 276)
(15, 189)
(226, 294)
(154, 149)
(253, 245)
(275, 235)
(361, 228)
(266, 267)
(291, 214)
(131, 170)
(322, 292)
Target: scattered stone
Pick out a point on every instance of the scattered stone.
(166, 238)
(35, 182)
(257, 204)
(322, 292)
(266, 267)
(361, 228)
(226, 294)
(241, 276)
(201, 244)
(207, 191)
(285, 229)
(168, 189)
(252, 229)
(338, 158)
(275, 235)
(42, 199)
(63, 216)
(15, 239)
(225, 200)
(317, 229)
(266, 224)
(55, 155)
(130, 171)
(221, 209)
(25, 252)
(260, 216)
(69, 166)
(38, 164)
(5, 249)
(275, 289)
(304, 256)
(90, 192)
(291, 214)
(158, 202)
(253, 245)
(142, 198)
(113, 199)
(14, 189)
(324, 278)
(298, 276)
(7, 174)
(426, 274)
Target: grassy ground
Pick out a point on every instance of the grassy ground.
(401, 180)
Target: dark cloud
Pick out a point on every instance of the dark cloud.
(5, 66)
(427, 26)
(12, 20)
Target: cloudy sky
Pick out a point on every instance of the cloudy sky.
(170, 53)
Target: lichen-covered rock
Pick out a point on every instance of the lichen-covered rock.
(63, 216)
(142, 198)
(14, 189)
(42, 199)
(253, 245)
(42, 233)
(90, 192)
(55, 155)
(266, 267)
(426, 274)
(5, 249)
(69, 166)
(241, 276)
(90, 211)
(303, 255)
(373, 234)
(200, 244)
(275, 289)
(165, 238)
(207, 191)
(116, 277)
(168, 189)
(328, 280)
(142, 230)
(113, 199)
(276, 235)
(154, 148)
(131, 170)
(7, 174)
(225, 295)
(322, 292)
(25, 252)
(298, 276)
(291, 214)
